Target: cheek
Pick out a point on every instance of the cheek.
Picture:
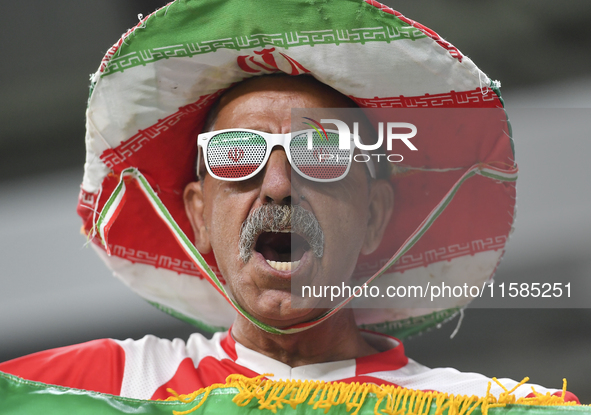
(344, 226)
(344, 206)
(224, 215)
(351, 227)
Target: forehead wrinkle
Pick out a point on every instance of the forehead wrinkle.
(261, 111)
(280, 92)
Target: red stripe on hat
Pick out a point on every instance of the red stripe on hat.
(476, 98)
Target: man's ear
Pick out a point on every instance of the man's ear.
(194, 207)
(381, 204)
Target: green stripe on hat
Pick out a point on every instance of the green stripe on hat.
(166, 33)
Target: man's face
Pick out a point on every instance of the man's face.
(345, 210)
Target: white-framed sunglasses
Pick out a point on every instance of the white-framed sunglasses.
(238, 154)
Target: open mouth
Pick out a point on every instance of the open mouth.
(282, 250)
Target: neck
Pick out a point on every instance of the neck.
(337, 338)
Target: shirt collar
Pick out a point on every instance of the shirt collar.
(391, 357)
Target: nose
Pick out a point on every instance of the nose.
(276, 186)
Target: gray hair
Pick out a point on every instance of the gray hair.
(277, 218)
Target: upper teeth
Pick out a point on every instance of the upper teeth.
(283, 266)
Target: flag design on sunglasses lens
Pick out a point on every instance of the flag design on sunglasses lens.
(325, 161)
(235, 154)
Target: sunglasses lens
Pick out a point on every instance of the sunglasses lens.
(235, 154)
(324, 161)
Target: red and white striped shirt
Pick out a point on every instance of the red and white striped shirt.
(145, 368)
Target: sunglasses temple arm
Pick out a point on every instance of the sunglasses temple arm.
(370, 166)
(198, 164)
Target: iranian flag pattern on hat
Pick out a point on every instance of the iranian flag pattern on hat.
(155, 86)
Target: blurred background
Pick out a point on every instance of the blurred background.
(54, 291)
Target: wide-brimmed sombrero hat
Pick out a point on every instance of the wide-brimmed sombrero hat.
(455, 197)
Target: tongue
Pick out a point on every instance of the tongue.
(271, 254)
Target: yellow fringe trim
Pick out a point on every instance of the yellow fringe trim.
(391, 400)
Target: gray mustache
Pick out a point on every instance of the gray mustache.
(276, 218)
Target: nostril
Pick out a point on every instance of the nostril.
(285, 201)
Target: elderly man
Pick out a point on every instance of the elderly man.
(150, 100)
(219, 210)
